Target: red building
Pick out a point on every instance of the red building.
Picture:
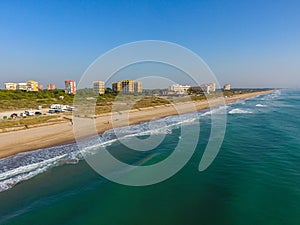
(51, 86)
(70, 87)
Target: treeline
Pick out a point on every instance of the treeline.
(41, 94)
(18, 99)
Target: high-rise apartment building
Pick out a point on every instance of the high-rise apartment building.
(116, 86)
(98, 87)
(10, 86)
(138, 87)
(127, 86)
(70, 87)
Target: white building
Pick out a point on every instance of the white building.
(208, 88)
(205, 88)
(227, 87)
(22, 86)
(179, 89)
(10, 86)
(212, 87)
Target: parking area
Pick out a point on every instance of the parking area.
(52, 110)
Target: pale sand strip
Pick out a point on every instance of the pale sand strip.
(40, 137)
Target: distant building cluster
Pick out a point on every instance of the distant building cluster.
(127, 86)
(183, 89)
(179, 89)
(30, 85)
(124, 86)
(206, 88)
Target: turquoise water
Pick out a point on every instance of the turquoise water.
(255, 178)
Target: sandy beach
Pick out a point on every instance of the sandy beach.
(45, 136)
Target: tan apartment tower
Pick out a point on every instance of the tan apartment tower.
(98, 87)
(127, 86)
(138, 87)
(116, 86)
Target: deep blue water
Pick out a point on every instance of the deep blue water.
(255, 178)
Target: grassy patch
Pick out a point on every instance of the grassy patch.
(29, 121)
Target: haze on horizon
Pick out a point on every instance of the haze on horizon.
(245, 43)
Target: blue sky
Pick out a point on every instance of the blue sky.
(245, 43)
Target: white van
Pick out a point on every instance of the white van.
(29, 113)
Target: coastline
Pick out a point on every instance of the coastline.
(15, 142)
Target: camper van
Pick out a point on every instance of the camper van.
(29, 113)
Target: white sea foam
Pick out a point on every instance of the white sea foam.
(272, 95)
(260, 105)
(239, 111)
(140, 130)
(11, 178)
(28, 168)
(217, 110)
(23, 166)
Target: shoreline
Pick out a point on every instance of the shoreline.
(15, 142)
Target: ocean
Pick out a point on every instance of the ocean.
(255, 178)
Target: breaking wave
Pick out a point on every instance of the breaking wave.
(260, 105)
(239, 111)
(23, 166)
(272, 96)
(217, 110)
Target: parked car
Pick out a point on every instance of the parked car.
(29, 113)
(59, 110)
(38, 113)
(51, 111)
(70, 108)
(23, 114)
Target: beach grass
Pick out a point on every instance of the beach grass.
(29, 121)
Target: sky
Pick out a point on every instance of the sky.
(246, 43)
